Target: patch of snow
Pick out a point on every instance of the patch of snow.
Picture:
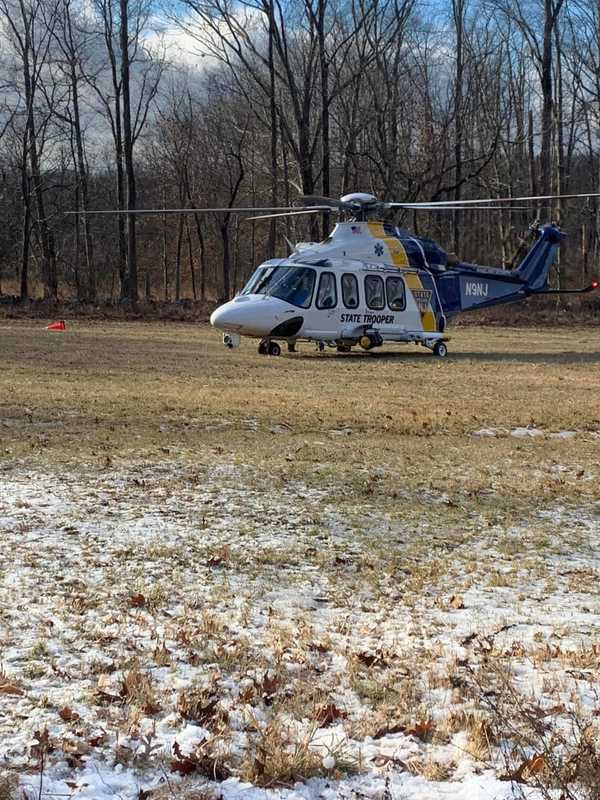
(489, 433)
(205, 580)
(527, 433)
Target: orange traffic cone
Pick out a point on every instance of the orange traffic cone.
(57, 326)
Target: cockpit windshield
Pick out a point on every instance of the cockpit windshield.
(290, 283)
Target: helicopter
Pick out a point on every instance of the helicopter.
(371, 282)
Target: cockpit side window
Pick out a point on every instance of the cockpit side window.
(259, 276)
(396, 296)
(327, 291)
(374, 292)
(291, 283)
(350, 290)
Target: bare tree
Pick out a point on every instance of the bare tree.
(71, 40)
(29, 27)
(134, 77)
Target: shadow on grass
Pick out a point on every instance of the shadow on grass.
(567, 357)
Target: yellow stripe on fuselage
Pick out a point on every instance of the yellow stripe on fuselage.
(397, 251)
(400, 259)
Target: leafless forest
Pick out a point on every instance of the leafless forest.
(116, 104)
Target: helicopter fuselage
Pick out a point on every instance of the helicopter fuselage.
(335, 302)
(369, 283)
(358, 283)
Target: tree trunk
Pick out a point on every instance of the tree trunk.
(178, 259)
(83, 183)
(550, 19)
(191, 260)
(26, 233)
(458, 8)
(272, 241)
(121, 229)
(200, 236)
(325, 149)
(224, 228)
(533, 186)
(132, 280)
(165, 260)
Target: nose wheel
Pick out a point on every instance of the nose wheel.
(440, 350)
(268, 348)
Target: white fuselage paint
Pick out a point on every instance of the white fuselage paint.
(351, 249)
(257, 314)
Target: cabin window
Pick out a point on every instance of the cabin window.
(327, 292)
(374, 292)
(350, 290)
(396, 296)
(293, 284)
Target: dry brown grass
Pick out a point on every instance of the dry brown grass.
(103, 392)
(137, 690)
(553, 749)
(280, 757)
(430, 769)
(9, 782)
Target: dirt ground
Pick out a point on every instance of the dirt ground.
(329, 575)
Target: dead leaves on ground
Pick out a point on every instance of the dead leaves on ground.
(137, 600)
(377, 658)
(68, 715)
(529, 768)
(385, 761)
(201, 761)
(74, 747)
(328, 714)
(268, 687)
(422, 730)
(11, 688)
(202, 708)
(8, 685)
(134, 688)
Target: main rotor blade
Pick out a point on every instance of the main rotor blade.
(194, 210)
(458, 208)
(316, 210)
(321, 210)
(317, 200)
(532, 199)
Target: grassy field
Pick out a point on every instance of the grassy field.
(373, 572)
(132, 390)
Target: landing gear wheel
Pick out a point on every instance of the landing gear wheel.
(274, 349)
(343, 348)
(440, 350)
(263, 347)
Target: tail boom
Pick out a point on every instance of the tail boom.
(467, 287)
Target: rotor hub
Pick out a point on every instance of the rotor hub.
(361, 204)
(360, 199)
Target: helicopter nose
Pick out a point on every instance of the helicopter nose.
(245, 315)
(224, 318)
(256, 315)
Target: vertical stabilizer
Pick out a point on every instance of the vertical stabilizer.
(535, 267)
